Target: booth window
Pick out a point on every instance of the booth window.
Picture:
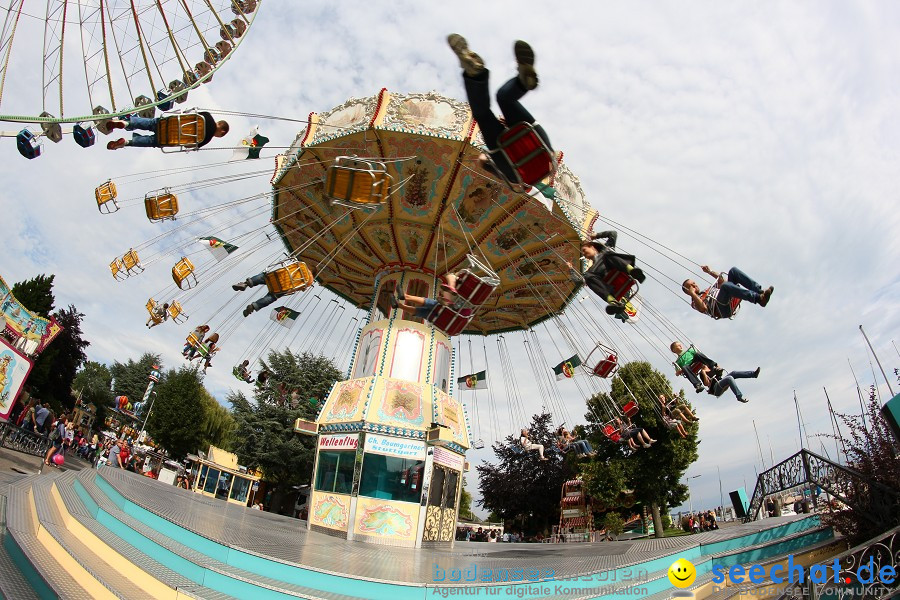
(335, 472)
(240, 489)
(212, 481)
(224, 485)
(391, 478)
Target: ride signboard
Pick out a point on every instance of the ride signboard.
(391, 446)
(342, 441)
(14, 369)
(32, 331)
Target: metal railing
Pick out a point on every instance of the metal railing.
(876, 501)
(20, 440)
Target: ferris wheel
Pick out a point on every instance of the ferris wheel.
(100, 59)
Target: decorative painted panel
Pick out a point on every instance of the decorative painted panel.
(330, 510)
(401, 405)
(345, 402)
(395, 520)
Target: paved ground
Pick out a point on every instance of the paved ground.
(19, 462)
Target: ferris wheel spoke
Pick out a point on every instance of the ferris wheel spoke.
(10, 24)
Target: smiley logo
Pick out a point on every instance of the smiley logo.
(682, 573)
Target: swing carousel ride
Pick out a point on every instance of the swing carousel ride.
(68, 67)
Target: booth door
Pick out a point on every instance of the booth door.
(440, 514)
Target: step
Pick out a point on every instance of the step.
(13, 583)
(192, 555)
(61, 573)
(121, 578)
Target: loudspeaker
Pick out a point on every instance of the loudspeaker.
(739, 502)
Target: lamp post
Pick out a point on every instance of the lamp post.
(690, 496)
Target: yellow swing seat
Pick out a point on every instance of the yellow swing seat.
(132, 263)
(151, 308)
(183, 274)
(357, 183)
(289, 278)
(161, 206)
(106, 197)
(185, 130)
(176, 312)
(118, 269)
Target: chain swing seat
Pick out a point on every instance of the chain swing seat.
(125, 267)
(710, 297)
(623, 285)
(607, 361)
(176, 312)
(183, 131)
(84, 135)
(106, 195)
(475, 284)
(202, 349)
(531, 159)
(631, 409)
(291, 276)
(151, 308)
(612, 432)
(357, 183)
(183, 274)
(450, 320)
(161, 206)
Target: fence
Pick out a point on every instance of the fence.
(18, 439)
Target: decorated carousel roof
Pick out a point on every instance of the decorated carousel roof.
(442, 207)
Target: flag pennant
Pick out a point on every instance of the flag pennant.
(284, 316)
(220, 249)
(475, 381)
(566, 369)
(250, 146)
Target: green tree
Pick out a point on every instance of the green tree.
(36, 294)
(218, 424)
(131, 378)
(613, 524)
(55, 368)
(653, 473)
(264, 435)
(93, 382)
(179, 412)
(522, 487)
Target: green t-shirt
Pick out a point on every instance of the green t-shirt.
(686, 358)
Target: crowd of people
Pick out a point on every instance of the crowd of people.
(702, 521)
(489, 534)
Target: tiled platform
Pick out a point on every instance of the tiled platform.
(199, 547)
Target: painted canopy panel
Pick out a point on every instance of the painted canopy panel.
(442, 207)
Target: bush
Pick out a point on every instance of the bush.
(614, 524)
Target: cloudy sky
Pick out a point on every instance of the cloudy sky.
(761, 135)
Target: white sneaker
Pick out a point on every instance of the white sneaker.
(470, 62)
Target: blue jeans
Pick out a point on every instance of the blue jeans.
(479, 94)
(582, 446)
(145, 124)
(260, 303)
(728, 382)
(423, 311)
(739, 285)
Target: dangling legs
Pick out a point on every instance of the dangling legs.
(727, 382)
(258, 279)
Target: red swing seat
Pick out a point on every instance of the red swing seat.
(612, 433)
(531, 159)
(448, 320)
(631, 408)
(623, 286)
(606, 367)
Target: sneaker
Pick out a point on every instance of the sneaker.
(470, 62)
(248, 310)
(240, 286)
(116, 144)
(645, 445)
(743, 399)
(756, 372)
(638, 274)
(116, 124)
(525, 59)
(765, 295)
(698, 388)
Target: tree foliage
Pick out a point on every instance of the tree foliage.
(178, 420)
(36, 294)
(521, 486)
(465, 503)
(264, 435)
(131, 378)
(653, 473)
(93, 382)
(873, 451)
